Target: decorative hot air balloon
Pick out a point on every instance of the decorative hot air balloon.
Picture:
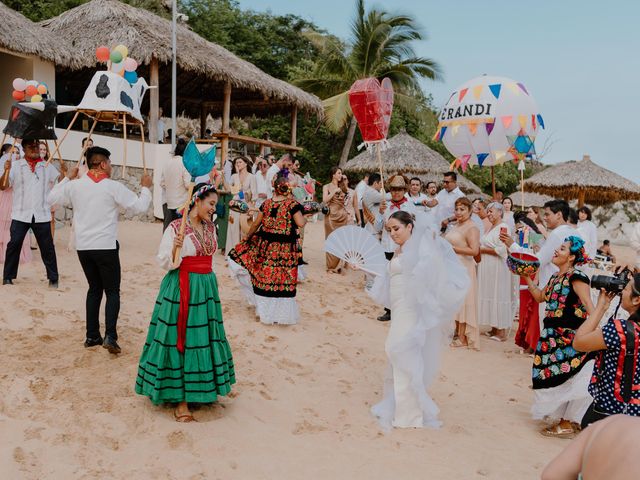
(488, 121)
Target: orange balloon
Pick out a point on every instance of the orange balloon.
(31, 90)
(102, 53)
(18, 95)
(42, 89)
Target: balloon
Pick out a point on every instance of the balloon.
(36, 98)
(42, 89)
(31, 90)
(372, 103)
(102, 53)
(18, 95)
(19, 84)
(33, 83)
(117, 67)
(131, 77)
(130, 64)
(489, 121)
(124, 51)
(116, 56)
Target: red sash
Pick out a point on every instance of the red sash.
(198, 264)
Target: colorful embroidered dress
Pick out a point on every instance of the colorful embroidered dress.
(186, 356)
(555, 359)
(270, 260)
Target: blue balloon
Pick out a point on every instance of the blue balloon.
(131, 77)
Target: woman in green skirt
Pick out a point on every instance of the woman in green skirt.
(186, 358)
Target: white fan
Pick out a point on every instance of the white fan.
(358, 247)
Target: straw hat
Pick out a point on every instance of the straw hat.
(397, 181)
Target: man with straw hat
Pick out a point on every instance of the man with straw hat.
(32, 179)
(398, 187)
(96, 202)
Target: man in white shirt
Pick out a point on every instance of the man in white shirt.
(447, 199)
(556, 214)
(32, 179)
(96, 202)
(398, 188)
(175, 180)
(421, 201)
(284, 162)
(262, 185)
(360, 188)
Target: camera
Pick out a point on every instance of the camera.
(613, 284)
(324, 209)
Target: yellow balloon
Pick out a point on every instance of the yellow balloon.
(36, 98)
(123, 50)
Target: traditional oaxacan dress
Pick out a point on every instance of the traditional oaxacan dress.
(266, 265)
(186, 356)
(560, 374)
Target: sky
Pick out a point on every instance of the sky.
(579, 59)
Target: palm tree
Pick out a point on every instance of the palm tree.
(379, 46)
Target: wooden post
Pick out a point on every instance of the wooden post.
(154, 101)
(124, 133)
(66, 132)
(294, 126)
(226, 112)
(203, 119)
(144, 163)
(581, 195)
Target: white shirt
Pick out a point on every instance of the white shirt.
(30, 190)
(446, 203)
(271, 174)
(417, 201)
(388, 244)
(589, 233)
(227, 170)
(262, 187)
(160, 130)
(175, 179)
(360, 188)
(96, 207)
(479, 223)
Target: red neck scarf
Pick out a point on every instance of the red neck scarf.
(97, 177)
(398, 204)
(32, 163)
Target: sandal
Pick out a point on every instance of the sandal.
(496, 338)
(457, 343)
(184, 418)
(558, 432)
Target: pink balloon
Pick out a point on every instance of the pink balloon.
(19, 84)
(130, 64)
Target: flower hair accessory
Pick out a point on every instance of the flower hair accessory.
(577, 249)
(198, 194)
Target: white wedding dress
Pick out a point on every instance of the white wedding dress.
(425, 287)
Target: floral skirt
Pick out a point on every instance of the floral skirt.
(555, 360)
(205, 370)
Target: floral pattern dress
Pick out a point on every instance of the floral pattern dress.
(555, 360)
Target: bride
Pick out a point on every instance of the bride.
(424, 287)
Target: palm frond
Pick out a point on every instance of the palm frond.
(337, 111)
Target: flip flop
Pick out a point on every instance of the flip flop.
(558, 432)
(497, 339)
(457, 344)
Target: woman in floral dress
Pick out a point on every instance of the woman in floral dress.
(266, 262)
(560, 374)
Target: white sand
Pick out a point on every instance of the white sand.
(300, 408)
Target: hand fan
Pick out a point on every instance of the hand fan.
(357, 246)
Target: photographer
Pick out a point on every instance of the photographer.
(616, 372)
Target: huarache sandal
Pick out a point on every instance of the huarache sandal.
(184, 418)
(457, 343)
(558, 432)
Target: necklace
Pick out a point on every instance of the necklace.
(205, 238)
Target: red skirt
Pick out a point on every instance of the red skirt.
(529, 323)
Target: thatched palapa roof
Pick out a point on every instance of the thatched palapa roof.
(21, 36)
(584, 180)
(531, 199)
(411, 157)
(203, 66)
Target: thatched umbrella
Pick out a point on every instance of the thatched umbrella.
(584, 180)
(531, 199)
(411, 157)
(203, 67)
(21, 36)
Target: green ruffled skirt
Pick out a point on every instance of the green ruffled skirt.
(205, 370)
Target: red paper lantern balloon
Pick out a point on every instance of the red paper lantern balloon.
(31, 90)
(18, 95)
(103, 53)
(372, 103)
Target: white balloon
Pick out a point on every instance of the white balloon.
(482, 120)
(32, 82)
(117, 67)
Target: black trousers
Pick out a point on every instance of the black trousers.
(102, 269)
(592, 416)
(42, 231)
(363, 222)
(170, 214)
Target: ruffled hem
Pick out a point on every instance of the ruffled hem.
(283, 311)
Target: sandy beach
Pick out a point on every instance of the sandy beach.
(300, 408)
